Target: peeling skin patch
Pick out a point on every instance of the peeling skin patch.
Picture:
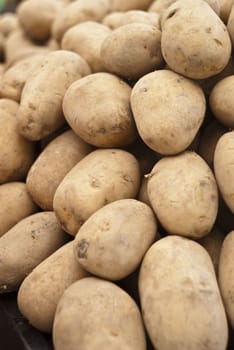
(83, 246)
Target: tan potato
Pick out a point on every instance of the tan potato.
(51, 166)
(195, 44)
(183, 193)
(40, 112)
(15, 205)
(116, 236)
(86, 40)
(41, 290)
(159, 6)
(102, 177)
(97, 314)
(224, 167)
(112, 19)
(123, 5)
(168, 110)
(27, 244)
(104, 124)
(8, 23)
(225, 9)
(180, 299)
(132, 50)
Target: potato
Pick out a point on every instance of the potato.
(224, 167)
(122, 5)
(225, 9)
(40, 111)
(86, 40)
(113, 241)
(41, 290)
(195, 44)
(183, 193)
(102, 177)
(15, 205)
(97, 314)
(180, 299)
(226, 275)
(168, 110)
(27, 244)
(17, 154)
(54, 162)
(8, 23)
(159, 6)
(77, 12)
(105, 124)
(132, 50)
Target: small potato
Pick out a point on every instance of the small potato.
(225, 9)
(132, 50)
(105, 124)
(123, 5)
(15, 205)
(97, 314)
(180, 299)
(41, 290)
(40, 112)
(116, 236)
(168, 110)
(54, 162)
(27, 244)
(102, 177)
(224, 168)
(183, 193)
(8, 23)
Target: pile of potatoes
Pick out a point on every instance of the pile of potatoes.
(117, 153)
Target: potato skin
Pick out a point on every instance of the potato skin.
(41, 290)
(27, 244)
(180, 299)
(116, 236)
(102, 177)
(97, 314)
(122, 5)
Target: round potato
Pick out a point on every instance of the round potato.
(8, 23)
(116, 236)
(102, 177)
(180, 299)
(183, 193)
(97, 314)
(168, 110)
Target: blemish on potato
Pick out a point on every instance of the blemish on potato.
(82, 249)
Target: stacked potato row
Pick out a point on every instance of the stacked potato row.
(117, 171)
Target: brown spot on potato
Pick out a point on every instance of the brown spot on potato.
(83, 246)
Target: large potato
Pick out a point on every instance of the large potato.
(41, 290)
(102, 177)
(50, 167)
(106, 124)
(113, 241)
(180, 299)
(40, 112)
(168, 110)
(195, 42)
(183, 193)
(97, 314)
(27, 244)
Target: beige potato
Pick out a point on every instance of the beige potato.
(183, 193)
(224, 167)
(168, 110)
(15, 205)
(8, 23)
(180, 299)
(97, 314)
(195, 44)
(86, 40)
(40, 112)
(51, 166)
(105, 124)
(113, 241)
(123, 5)
(102, 177)
(41, 290)
(225, 9)
(159, 6)
(132, 50)
(27, 244)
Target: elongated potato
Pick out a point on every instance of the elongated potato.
(116, 236)
(102, 177)
(40, 111)
(180, 299)
(183, 193)
(97, 314)
(41, 290)
(27, 244)
(51, 166)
